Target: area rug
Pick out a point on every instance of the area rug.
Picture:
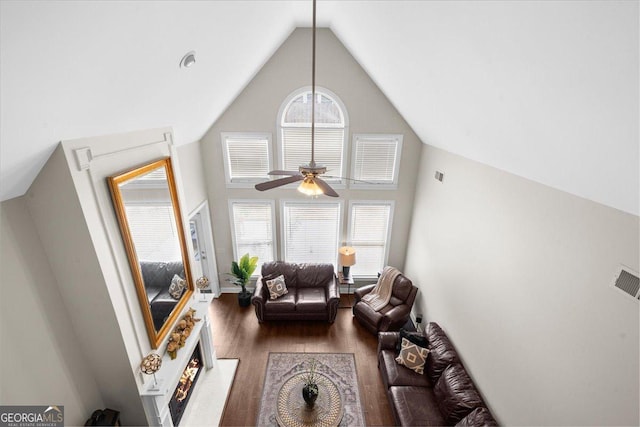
(339, 367)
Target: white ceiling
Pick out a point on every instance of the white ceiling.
(547, 90)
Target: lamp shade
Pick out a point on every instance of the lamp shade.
(309, 187)
(347, 256)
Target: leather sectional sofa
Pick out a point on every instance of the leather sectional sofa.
(313, 292)
(157, 277)
(443, 395)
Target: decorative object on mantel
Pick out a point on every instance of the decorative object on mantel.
(241, 272)
(310, 388)
(181, 332)
(347, 259)
(202, 283)
(150, 365)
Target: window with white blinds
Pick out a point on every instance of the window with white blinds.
(311, 231)
(368, 233)
(376, 160)
(153, 230)
(330, 131)
(247, 157)
(252, 223)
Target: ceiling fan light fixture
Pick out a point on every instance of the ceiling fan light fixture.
(309, 187)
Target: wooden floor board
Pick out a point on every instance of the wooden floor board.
(237, 334)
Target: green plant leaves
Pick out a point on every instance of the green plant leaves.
(243, 269)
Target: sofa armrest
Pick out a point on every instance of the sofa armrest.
(362, 291)
(397, 316)
(258, 299)
(333, 298)
(387, 341)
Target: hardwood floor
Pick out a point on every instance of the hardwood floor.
(237, 334)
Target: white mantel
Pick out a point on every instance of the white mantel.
(156, 399)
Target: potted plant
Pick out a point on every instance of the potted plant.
(241, 272)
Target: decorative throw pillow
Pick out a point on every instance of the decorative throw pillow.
(412, 356)
(177, 286)
(277, 287)
(415, 337)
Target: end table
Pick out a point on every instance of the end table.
(346, 281)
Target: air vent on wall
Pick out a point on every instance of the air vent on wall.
(627, 281)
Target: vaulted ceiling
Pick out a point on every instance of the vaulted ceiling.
(547, 90)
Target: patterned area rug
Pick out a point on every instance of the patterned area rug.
(339, 367)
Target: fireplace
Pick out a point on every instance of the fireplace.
(186, 384)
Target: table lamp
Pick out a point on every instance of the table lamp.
(347, 259)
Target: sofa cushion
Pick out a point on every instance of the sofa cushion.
(177, 286)
(415, 337)
(415, 406)
(478, 417)
(276, 268)
(311, 299)
(284, 304)
(315, 275)
(394, 374)
(277, 287)
(442, 352)
(412, 356)
(456, 394)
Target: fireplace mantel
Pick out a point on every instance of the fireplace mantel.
(156, 399)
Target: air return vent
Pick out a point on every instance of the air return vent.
(627, 281)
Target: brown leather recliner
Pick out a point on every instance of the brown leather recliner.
(394, 315)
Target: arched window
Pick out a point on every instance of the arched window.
(294, 121)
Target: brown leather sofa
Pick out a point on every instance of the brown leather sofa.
(313, 292)
(394, 315)
(443, 395)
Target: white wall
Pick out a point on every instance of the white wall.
(518, 275)
(41, 356)
(190, 167)
(256, 110)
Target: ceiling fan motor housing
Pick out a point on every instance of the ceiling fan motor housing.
(312, 169)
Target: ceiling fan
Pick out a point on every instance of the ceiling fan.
(311, 184)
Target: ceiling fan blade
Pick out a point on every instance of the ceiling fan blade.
(326, 189)
(281, 172)
(268, 185)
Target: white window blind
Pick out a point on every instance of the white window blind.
(252, 225)
(246, 156)
(153, 229)
(311, 232)
(330, 131)
(369, 231)
(376, 158)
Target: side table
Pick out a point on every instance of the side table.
(346, 281)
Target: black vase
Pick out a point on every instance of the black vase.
(310, 393)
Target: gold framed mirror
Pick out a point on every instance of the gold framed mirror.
(146, 204)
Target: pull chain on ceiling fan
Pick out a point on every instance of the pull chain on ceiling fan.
(311, 184)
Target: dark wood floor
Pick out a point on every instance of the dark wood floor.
(237, 334)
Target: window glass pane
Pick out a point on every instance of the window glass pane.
(253, 230)
(296, 148)
(247, 157)
(368, 232)
(299, 110)
(375, 159)
(153, 230)
(311, 232)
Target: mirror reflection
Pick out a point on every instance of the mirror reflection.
(150, 221)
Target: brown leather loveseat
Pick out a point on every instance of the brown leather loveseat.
(313, 292)
(443, 395)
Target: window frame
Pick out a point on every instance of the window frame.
(340, 219)
(340, 183)
(376, 184)
(272, 205)
(387, 247)
(244, 182)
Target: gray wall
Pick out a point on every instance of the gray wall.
(256, 109)
(42, 357)
(518, 275)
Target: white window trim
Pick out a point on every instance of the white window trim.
(392, 205)
(340, 185)
(376, 185)
(244, 182)
(272, 204)
(283, 238)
